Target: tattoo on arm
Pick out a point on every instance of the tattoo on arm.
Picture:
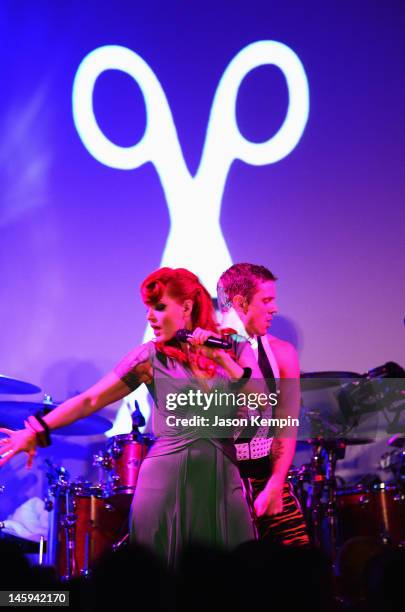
(276, 451)
(135, 368)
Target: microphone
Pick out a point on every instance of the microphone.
(183, 335)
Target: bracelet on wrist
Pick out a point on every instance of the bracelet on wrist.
(40, 427)
(247, 373)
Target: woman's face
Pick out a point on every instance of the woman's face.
(167, 316)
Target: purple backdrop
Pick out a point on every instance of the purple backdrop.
(77, 237)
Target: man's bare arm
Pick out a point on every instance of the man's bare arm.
(284, 443)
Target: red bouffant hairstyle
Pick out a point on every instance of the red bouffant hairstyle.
(181, 284)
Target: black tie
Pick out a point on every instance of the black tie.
(265, 367)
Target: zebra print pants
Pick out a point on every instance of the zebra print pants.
(288, 527)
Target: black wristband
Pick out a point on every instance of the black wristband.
(47, 433)
(247, 373)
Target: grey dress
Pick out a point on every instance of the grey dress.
(188, 489)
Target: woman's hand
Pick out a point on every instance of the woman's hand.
(17, 441)
(199, 337)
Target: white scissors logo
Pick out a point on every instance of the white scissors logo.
(193, 201)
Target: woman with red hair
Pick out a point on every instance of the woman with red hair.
(189, 488)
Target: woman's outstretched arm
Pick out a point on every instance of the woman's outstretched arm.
(132, 371)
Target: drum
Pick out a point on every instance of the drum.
(88, 526)
(394, 461)
(125, 454)
(377, 511)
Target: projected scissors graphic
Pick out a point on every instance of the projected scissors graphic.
(193, 201)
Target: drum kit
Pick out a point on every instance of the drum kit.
(86, 520)
(89, 520)
(334, 512)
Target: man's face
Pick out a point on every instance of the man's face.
(258, 314)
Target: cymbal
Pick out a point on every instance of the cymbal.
(13, 385)
(13, 414)
(89, 426)
(312, 381)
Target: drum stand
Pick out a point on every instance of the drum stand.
(313, 504)
(335, 450)
(58, 479)
(321, 502)
(68, 522)
(59, 484)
